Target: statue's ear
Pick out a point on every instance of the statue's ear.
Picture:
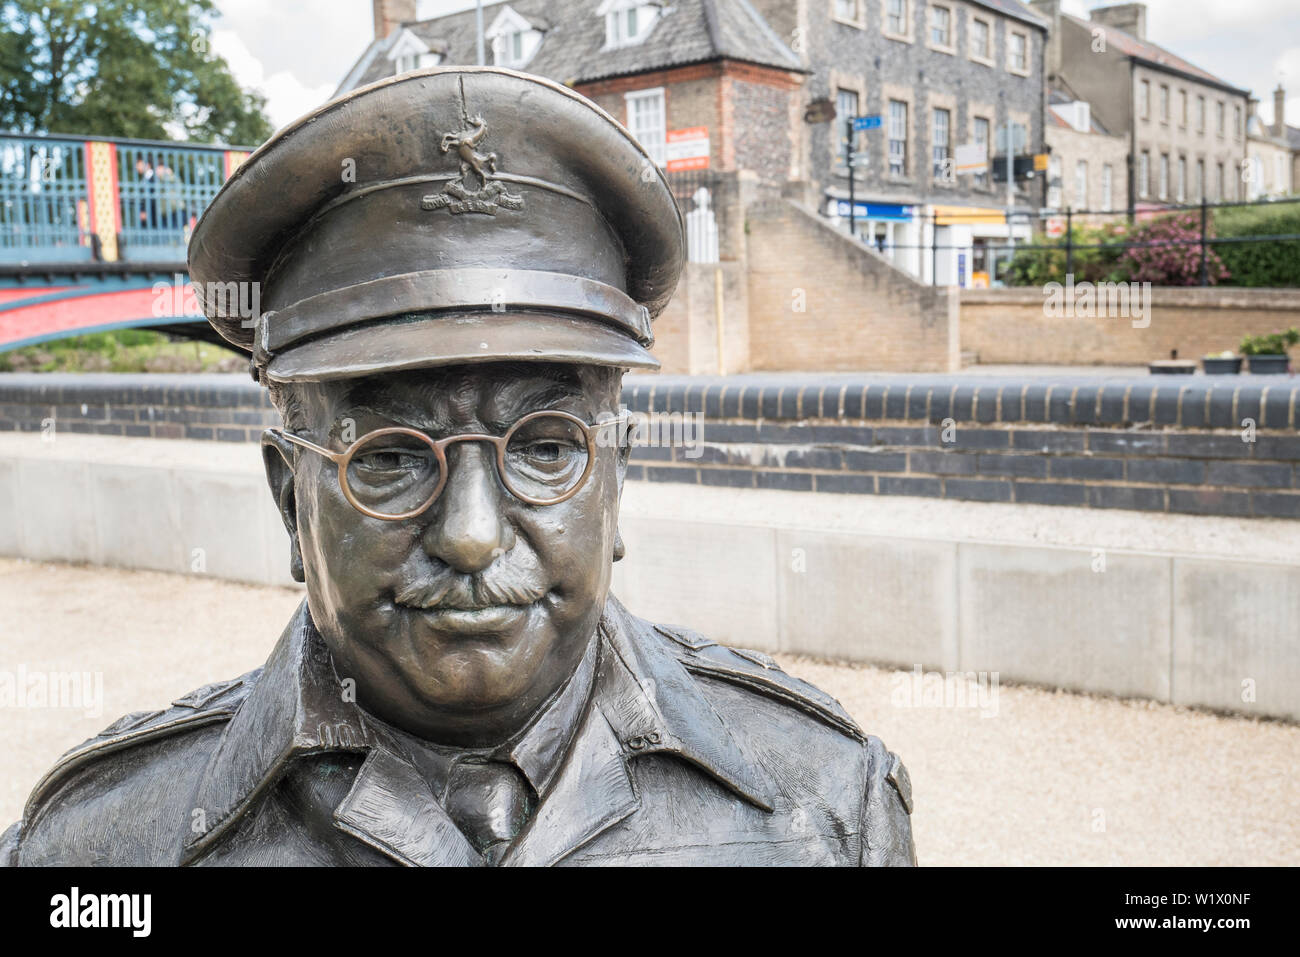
(278, 457)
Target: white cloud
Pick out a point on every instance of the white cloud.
(287, 97)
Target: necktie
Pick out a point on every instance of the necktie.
(489, 801)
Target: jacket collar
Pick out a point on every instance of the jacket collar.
(643, 702)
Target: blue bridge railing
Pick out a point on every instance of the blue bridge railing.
(67, 199)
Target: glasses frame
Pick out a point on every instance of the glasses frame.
(343, 459)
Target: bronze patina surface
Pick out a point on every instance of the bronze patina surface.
(458, 265)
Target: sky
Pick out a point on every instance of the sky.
(296, 51)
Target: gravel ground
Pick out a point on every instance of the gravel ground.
(1033, 777)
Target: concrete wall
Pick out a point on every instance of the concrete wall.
(1197, 611)
(1010, 326)
(819, 300)
(1146, 607)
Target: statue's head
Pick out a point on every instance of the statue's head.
(458, 580)
(446, 352)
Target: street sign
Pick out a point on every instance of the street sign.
(971, 158)
(861, 123)
(1040, 162)
(1055, 227)
(687, 149)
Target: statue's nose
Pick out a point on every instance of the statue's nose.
(469, 531)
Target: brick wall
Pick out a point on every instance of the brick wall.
(1137, 444)
(820, 300)
(1133, 444)
(1010, 326)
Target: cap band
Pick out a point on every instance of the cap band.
(437, 290)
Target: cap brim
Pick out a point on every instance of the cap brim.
(455, 339)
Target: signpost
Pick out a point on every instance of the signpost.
(855, 125)
(687, 149)
(971, 158)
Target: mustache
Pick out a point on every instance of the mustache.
(448, 589)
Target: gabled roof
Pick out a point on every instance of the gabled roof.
(573, 45)
(1154, 55)
(1293, 137)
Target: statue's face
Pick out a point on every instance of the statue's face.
(459, 623)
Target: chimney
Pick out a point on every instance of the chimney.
(1279, 111)
(391, 13)
(1129, 17)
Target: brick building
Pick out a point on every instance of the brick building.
(1088, 170)
(938, 74)
(1186, 128)
(701, 83)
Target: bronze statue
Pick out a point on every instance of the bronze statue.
(458, 686)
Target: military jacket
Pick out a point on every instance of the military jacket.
(686, 753)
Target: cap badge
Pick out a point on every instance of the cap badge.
(457, 196)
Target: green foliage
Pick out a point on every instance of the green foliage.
(1037, 267)
(1272, 264)
(122, 350)
(1273, 344)
(128, 68)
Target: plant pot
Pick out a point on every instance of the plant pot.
(1269, 365)
(1221, 366)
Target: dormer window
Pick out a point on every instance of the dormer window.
(514, 39)
(409, 52)
(627, 22)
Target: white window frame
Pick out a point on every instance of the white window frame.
(892, 139)
(984, 56)
(886, 15)
(1081, 184)
(937, 158)
(1163, 184)
(1012, 36)
(1144, 174)
(618, 13)
(950, 46)
(512, 39)
(1144, 100)
(657, 142)
(1107, 187)
(408, 52)
(855, 19)
(1181, 183)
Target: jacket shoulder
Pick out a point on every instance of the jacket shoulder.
(757, 672)
(128, 755)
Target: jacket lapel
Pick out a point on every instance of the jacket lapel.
(391, 808)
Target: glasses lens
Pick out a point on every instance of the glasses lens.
(393, 473)
(546, 458)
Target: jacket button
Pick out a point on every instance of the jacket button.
(653, 737)
(637, 743)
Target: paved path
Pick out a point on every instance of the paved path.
(1035, 777)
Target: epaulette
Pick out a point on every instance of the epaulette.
(759, 672)
(211, 703)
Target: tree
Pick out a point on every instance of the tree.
(130, 68)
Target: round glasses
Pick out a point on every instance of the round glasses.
(397, 473)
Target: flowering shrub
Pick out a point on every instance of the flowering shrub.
(1174, 256)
